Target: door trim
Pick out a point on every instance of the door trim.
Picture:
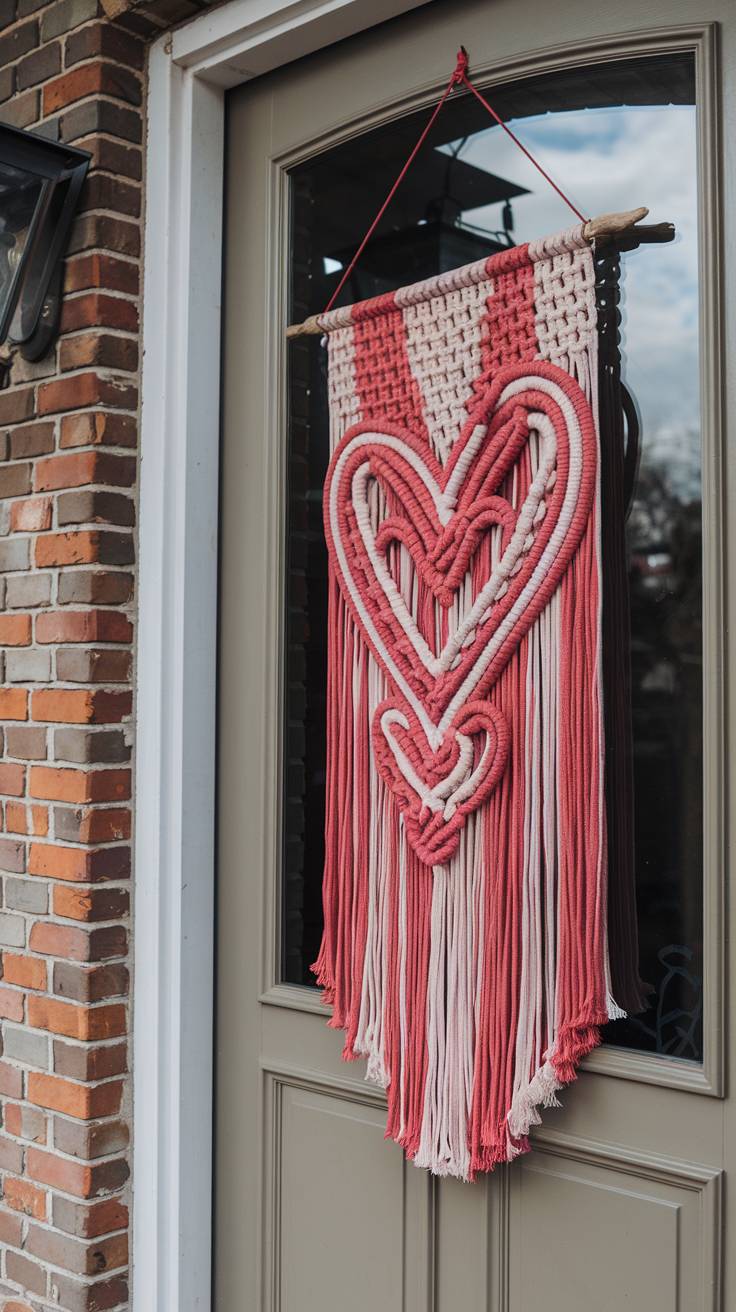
(189, 72)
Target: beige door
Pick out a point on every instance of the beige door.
(619, 1205)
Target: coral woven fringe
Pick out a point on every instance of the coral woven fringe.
(465, 947)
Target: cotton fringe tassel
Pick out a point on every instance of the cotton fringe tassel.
(474, 989)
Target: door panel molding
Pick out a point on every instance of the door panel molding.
(700, 40)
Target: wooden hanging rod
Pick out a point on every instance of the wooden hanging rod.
(626, 229)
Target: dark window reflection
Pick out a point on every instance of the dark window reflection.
(614, 136)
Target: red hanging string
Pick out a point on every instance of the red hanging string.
(459, 78)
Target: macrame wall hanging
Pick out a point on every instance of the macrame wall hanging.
(466, 946)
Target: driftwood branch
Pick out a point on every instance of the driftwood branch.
(626, 229)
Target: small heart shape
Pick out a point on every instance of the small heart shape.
(437, 790)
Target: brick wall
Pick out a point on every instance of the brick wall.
(68, 436)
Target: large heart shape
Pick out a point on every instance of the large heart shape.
(440, 515)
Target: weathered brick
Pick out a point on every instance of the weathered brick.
(95, 78)
(12, 931)
(32, 666)
(26, 743)
(12, 856)
(15, 630)
(12, 780)
(11, 1086)
(25, 1122)
(99, 350)
(13, 706)
(84, 625)
(108, 41)
(90, 665)
(79, 865)
(115, 120)
(77, 944)
(90, 1141)
(16, 403)
(39, 66)
(93, 506)
(15, 553)
(31, 1277)
(90, 983)
(28, 440)
(31, 516)
(76, 1178)
(15, 479)
(26, 972)
(87, 1062)
(106, 1021)
(83, 1101)
(93, 428)
(83, 547)
(28, 1048)
(83, 468)
(86, 389)
(28, 590)
(65, 15)
(21, 112)
(96, 268)
(91, 587)
(80, 706)
(90, 747)
(11, 1000)
(91, 904)
(121, 236)
(22, 819)
(88, 1221)
(24, 1197)
(25, 895)
(98, 309)
(99, 1296)
(22, 38)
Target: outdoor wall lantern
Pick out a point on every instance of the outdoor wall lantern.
(40, 182)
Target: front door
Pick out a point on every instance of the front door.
(619, 1204)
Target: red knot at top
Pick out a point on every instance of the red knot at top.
(461, 67)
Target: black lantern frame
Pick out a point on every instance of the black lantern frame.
(40, 182)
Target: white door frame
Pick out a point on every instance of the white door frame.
(173, 1014)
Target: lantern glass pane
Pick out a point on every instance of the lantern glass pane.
(20, 193)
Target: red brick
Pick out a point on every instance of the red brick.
(92, 428)
(21, 819)
(82, 706)
(97, 269)
(78, 864)
(74, 1178)
(13, 706)
(88, 80)
(84, 468)
(83, 626)
(105, 39)
(91, 904)
(31, 516)
(98, 309)
(24, 1122)
(23, 1196)
(88, 1023)
(82, 1101)
(93, 825)
(83, 547)
(12, 780)
(27, 972)
(87, 1062)
(11, 1004)
(103, 350)
(15, 630)
(90, 665)
(87, 389)
(11, 1086)
(11, 1234)
(75, 944)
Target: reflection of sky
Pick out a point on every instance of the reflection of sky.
(615, 159)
